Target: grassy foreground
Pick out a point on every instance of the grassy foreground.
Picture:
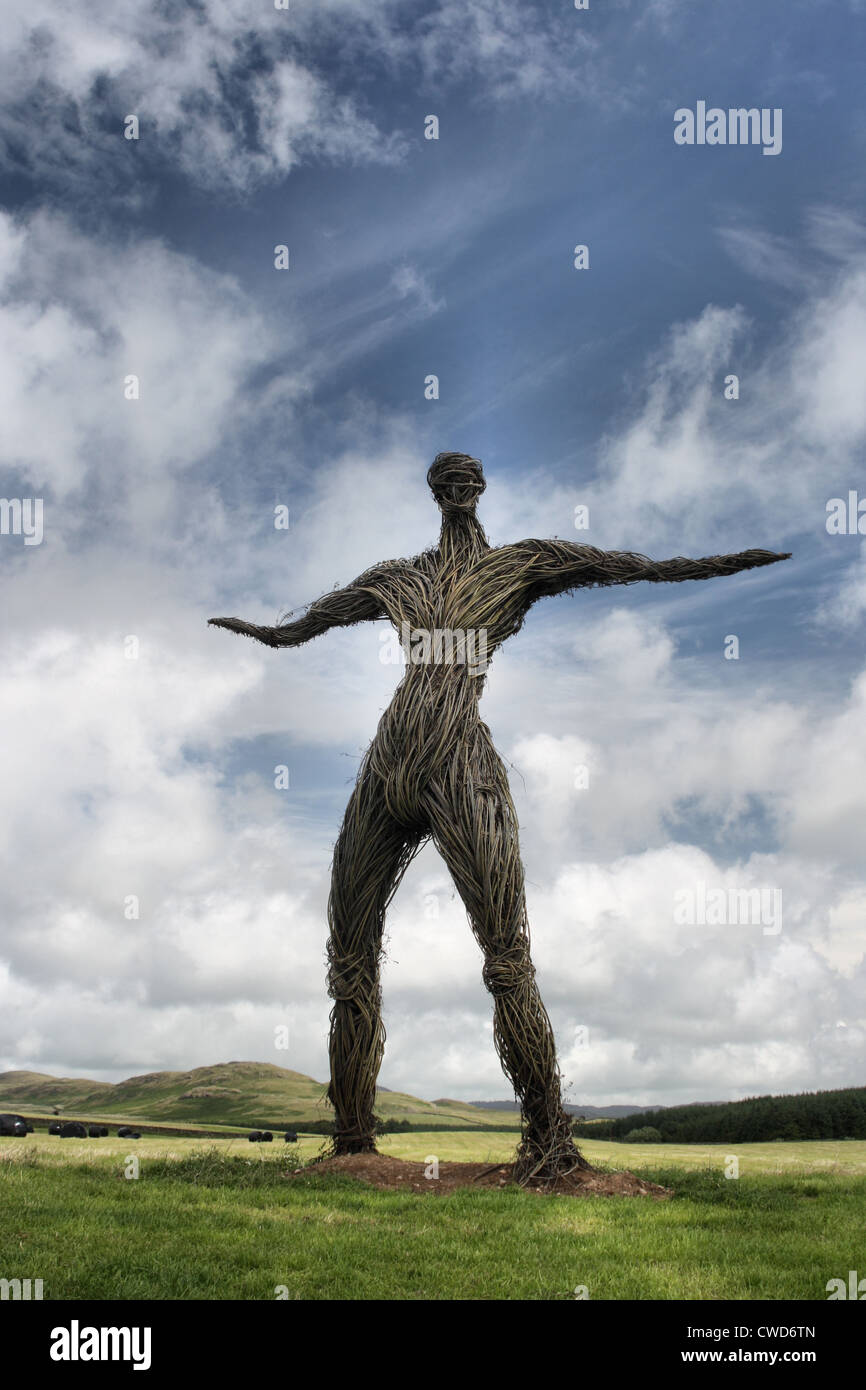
(222, 1221)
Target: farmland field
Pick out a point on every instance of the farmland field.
(223, 1220)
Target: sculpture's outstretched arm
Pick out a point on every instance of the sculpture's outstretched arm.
(554, 567)
(359, 602)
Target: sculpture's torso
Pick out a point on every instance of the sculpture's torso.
(431, 729)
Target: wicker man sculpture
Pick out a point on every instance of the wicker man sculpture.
(432, 772)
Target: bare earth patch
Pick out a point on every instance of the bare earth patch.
(399, 1175)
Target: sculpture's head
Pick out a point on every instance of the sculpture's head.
(456, 481)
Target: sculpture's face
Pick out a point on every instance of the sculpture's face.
(456, 481)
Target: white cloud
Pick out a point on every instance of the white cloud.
(514, 51)
(689, 464)
(409, 282)
(78, 317)
(236, 97)
(845, 609)
(216, 90)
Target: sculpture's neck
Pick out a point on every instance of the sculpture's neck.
(462, 540)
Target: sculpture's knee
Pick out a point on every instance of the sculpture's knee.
(353, 978)
(508, 971)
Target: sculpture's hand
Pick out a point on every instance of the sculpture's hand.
(271, 636)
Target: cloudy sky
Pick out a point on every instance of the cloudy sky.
(140, 746)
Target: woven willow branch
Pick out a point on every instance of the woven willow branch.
(432, 772)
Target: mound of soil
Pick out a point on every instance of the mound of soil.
(399, 1175)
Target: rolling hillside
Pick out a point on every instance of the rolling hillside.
(587, 1112)
(255, 1094)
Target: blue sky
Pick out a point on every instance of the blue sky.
(152, 776)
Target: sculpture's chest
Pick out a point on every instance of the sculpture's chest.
(448, 598)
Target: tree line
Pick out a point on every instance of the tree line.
(808, 1115)
(390, 1127)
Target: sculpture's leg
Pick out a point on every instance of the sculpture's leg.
(370, 856)
(474, 826)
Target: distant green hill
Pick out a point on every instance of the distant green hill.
(255, 1094)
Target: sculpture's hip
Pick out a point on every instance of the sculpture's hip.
(430, 742)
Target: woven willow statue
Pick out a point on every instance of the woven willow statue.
(432, 772)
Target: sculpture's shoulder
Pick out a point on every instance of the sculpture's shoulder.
(388, 572)
(534, 546)
(511, 559)
(415, 570)
(524, 571)
(426, 564)
(402, 588)
(539, 556)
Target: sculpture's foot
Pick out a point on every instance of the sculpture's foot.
(354, 1139)
(543, 1159)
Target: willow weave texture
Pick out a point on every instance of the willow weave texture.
(432, 772)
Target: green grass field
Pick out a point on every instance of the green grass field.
(222, 1221)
